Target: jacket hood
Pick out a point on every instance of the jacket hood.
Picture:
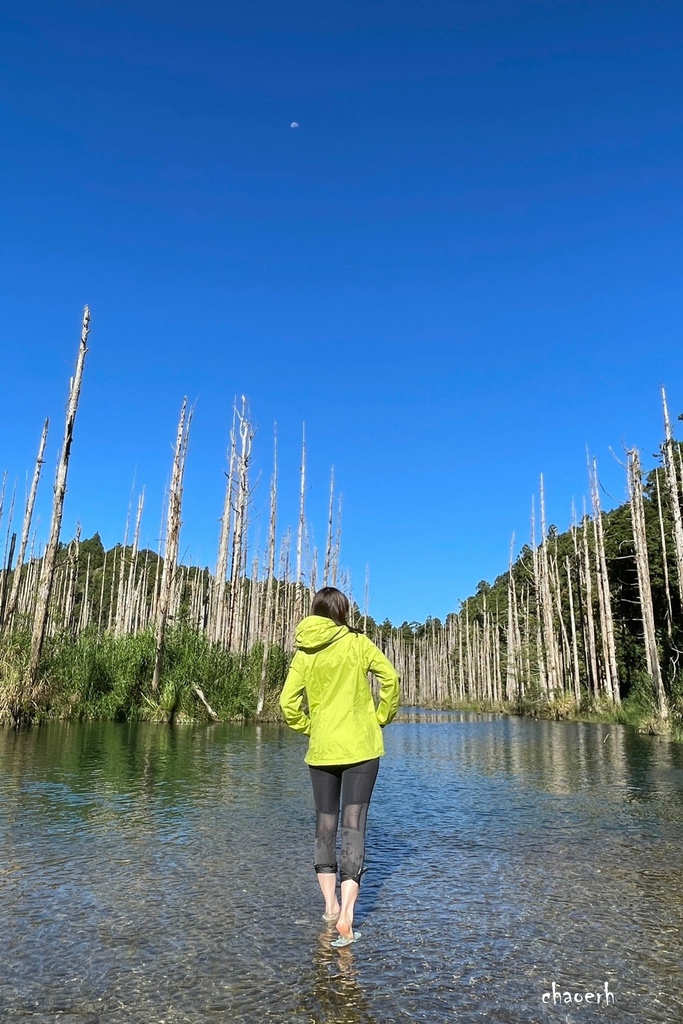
(316, 632)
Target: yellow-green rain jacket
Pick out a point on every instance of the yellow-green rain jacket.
(331, 666)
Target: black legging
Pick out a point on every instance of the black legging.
(354, 783)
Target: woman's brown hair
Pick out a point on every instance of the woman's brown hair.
(331, 604)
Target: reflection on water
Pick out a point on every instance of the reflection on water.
(150, 874)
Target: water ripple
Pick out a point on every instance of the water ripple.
(163, 876)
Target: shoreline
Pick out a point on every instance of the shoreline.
(643, 724)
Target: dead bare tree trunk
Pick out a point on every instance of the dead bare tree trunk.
(635, 487)
(130, 596)
(298, 583)
(49, 559)
(10, 544)
(158, 573)
(590, 620)
(2, 494)
(285, 591)
(550, 642)
(239, 538)
(540, 651)
(4, 582)
(607, 620)
(461, 661)
(110, 617)
(101, 608)
(564, 655)
(330, 524)
(119, 614)
(313, 575)
(572, 621)
(468, 652)
(366, 599)
(175, 499)
(337, 544)
(26, 528)
(512, 689)
(218, 616)
(268, 631)
(497, 674)
(674, 495)
(85, 612)
(665, 560)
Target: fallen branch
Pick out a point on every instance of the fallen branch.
(209, 710)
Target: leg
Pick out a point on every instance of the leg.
(326, 793)
(328, 887)
(349, 895)
(358, 783)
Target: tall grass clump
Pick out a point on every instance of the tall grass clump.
(15, 651)
(107, 677)
(91, 677)
(228, 681)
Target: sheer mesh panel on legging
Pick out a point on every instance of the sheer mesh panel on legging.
(354, 785)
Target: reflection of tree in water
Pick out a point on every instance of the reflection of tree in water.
(334, 995)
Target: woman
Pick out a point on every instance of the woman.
(331, 666)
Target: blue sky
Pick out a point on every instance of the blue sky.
(462, 268)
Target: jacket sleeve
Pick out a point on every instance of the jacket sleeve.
(291, 698)
(389, 695)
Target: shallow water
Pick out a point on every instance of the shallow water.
(153, 875)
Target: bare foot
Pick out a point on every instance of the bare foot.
(332, 912)
(345, 926)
